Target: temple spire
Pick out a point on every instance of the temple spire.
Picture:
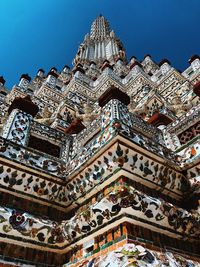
(100, 45)
(100, 29)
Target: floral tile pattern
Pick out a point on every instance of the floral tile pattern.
(120, 157)
(33, 186)
(122, 200)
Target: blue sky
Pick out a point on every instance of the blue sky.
(46, 33)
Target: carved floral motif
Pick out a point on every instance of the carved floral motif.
(122, 200)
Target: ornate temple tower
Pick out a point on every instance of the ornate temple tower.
(100, 164)
(100, 45)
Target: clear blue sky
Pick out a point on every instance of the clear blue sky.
(45, 33)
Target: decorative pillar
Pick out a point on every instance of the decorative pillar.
(135, 67)
(165, 66)
(106, 67)
(132, 60)
(67, 148)
(99, 49)
(52, 77)
(103, 50)
(95, 51)
(66, 69)
(78, 71)
(66, 73)
(93, 65)
(114, 105)
(40, 73)
(195, 62)
(17, 126)
(24, 81)
(87, 53)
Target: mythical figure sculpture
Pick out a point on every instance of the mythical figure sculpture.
(88, 116)
(138, 110)
(178, 107)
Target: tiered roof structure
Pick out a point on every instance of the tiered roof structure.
(99, 164)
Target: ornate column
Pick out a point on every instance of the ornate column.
(165, 66)
(67, 148)
(114, 106)
(21, 113)
(24, 82)
(195, 62)
(52, 77)
(103, 49)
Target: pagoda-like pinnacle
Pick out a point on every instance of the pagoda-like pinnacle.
(100, 45)
(100, 28)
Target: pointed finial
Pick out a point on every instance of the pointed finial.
(100, 28)
(26, 77)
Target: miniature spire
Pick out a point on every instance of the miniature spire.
(100, 45)
(100, 29)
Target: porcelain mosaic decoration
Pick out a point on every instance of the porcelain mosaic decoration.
(137, 255)
(100, 164)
